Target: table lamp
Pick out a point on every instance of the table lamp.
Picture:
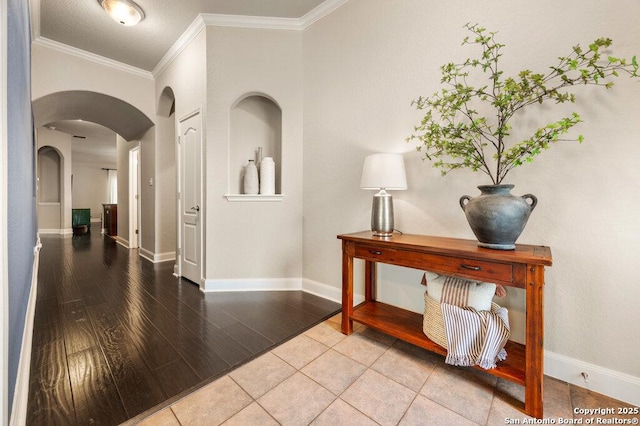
(382, 172)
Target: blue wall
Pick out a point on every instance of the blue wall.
(21, 215)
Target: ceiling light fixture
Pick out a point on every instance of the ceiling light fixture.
(125, 12)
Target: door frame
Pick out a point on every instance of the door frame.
(179, 200)
(134, 199)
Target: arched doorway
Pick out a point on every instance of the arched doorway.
(120, 117)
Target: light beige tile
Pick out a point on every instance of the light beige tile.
(508, 403)
(379, 397)
(296, 401)
(361, 348)
(300, 351)
(212, 404)
(341, 413)
(334, 371)
(328, 333)
(262, 374)
(254, 414)
(423, 411)
(161, 418)
(376, 335)
(404, 367)
(466, 391)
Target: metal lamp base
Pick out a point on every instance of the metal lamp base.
(382, 214)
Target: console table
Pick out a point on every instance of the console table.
(522, 267)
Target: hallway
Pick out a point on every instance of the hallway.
(115, 335)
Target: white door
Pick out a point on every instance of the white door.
(190, 197)
(134, 198)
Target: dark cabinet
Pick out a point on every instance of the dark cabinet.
(110, 218)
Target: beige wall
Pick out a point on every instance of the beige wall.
(253, 240)
(55, 71)
(90, 189)
(363, 66)
(62, 144)
(185, 76)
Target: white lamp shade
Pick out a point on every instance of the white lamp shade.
(383, 171)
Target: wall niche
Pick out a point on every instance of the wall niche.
(256, 122)
(49, 189)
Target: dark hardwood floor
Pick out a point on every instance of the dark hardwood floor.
(115, 335)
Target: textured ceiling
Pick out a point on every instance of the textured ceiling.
(84, 25)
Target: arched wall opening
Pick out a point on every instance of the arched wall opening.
(50, 188)
(128, 122)
(256, 125)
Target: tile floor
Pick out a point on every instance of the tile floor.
(323, 377)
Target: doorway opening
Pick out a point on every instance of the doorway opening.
(134, 198)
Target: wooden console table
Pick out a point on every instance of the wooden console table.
(522, 267)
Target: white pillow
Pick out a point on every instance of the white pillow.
(480, 293)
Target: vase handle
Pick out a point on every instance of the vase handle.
(462, 201)
(533, 198)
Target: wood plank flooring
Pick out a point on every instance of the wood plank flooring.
(115, 335)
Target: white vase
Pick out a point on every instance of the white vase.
(250, 181)
(267, 176)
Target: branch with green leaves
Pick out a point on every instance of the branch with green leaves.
(454, 135)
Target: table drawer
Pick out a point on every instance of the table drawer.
(447, 265)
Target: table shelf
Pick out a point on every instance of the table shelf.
(407, 326)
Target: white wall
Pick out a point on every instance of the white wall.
(367, 61)
(253, 240)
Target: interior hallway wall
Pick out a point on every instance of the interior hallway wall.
(367, 61)
(21, 237)
(253, 241)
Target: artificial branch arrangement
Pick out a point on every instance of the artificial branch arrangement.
(456, 135)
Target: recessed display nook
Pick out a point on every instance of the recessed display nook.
(255, 134)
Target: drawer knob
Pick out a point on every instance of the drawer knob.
(471, 267)
(378, 252)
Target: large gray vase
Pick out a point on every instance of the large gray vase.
(496, 217)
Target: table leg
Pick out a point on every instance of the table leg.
(347, 287)
(534, 374)
(370, 280)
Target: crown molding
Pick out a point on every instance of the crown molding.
(257, 22)
(319, 12)
(83, 54)
(202, 21)
(240, 21)
(187, 37)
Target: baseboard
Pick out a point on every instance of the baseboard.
(146, 254)
(252, 284)
(21, 394)
(124, 243)
(328, 291)
(602, 380)
(325, 291)
(56, 231)
(157, 258)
